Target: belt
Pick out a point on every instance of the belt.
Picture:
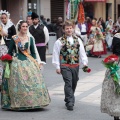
(40, 44)
(70, 65)
(83, 33)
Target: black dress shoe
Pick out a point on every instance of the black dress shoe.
(70, 108)
(116, 118)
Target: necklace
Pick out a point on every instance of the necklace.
(23, 38)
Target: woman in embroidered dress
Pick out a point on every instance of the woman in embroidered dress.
(110, 101)
(25, 89)
(109, 30)
(98, 46)
(6, 32)
(3, 50)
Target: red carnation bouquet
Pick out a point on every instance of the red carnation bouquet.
(7, 59)
(86, 69)
(111, 62)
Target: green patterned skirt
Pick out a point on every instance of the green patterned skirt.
(25, 89)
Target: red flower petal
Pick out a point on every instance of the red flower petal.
(88, 70)
(111, 58)
(6, 57)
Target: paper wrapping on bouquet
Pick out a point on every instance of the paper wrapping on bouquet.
(7, 70)
(116, 77)
(111, 62)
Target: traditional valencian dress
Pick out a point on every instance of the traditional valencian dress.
(109, 36)
(110, 101)
(98, 46)
(25, 89)
(8, 28)
(3, 50)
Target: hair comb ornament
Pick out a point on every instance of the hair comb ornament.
(4, 12)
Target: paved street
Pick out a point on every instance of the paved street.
(87, 94)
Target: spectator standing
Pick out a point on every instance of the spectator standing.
(118, 22)
(102, 23)
(29, 20)
(83, 29)
(43, 20)
(59, 27)
(8, 28)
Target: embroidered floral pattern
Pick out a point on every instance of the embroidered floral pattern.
(69, 54)
(26, 87)
(3, 51)
(110, 101)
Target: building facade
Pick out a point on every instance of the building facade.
(57, 8)
(20, 9)
(102, 8)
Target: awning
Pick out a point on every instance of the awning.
(95, 0)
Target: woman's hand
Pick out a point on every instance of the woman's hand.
(58, 71)
(41, 65)
(4, 33)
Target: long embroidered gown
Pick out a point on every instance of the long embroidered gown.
(99, 47)
(3, 50)
(110, 101)
(25, 89)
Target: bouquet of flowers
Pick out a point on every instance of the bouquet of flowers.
(7, 59)
(98, 35)
(111, 62)
(107, 29)
(86, 69)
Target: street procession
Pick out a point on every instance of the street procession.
(60, 59)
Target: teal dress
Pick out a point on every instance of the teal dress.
(25, 89)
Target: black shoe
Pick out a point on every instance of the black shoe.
(116, 118)
(70, 108)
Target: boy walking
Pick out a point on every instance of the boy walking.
(67, 51)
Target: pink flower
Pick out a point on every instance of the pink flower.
(29, 101)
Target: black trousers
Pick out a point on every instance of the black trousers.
(42, 52)
(70, 77)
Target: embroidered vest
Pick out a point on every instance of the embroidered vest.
(69, 54)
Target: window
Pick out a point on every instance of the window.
(32, 6)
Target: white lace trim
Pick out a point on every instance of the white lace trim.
(117, 35)
(8, 25)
